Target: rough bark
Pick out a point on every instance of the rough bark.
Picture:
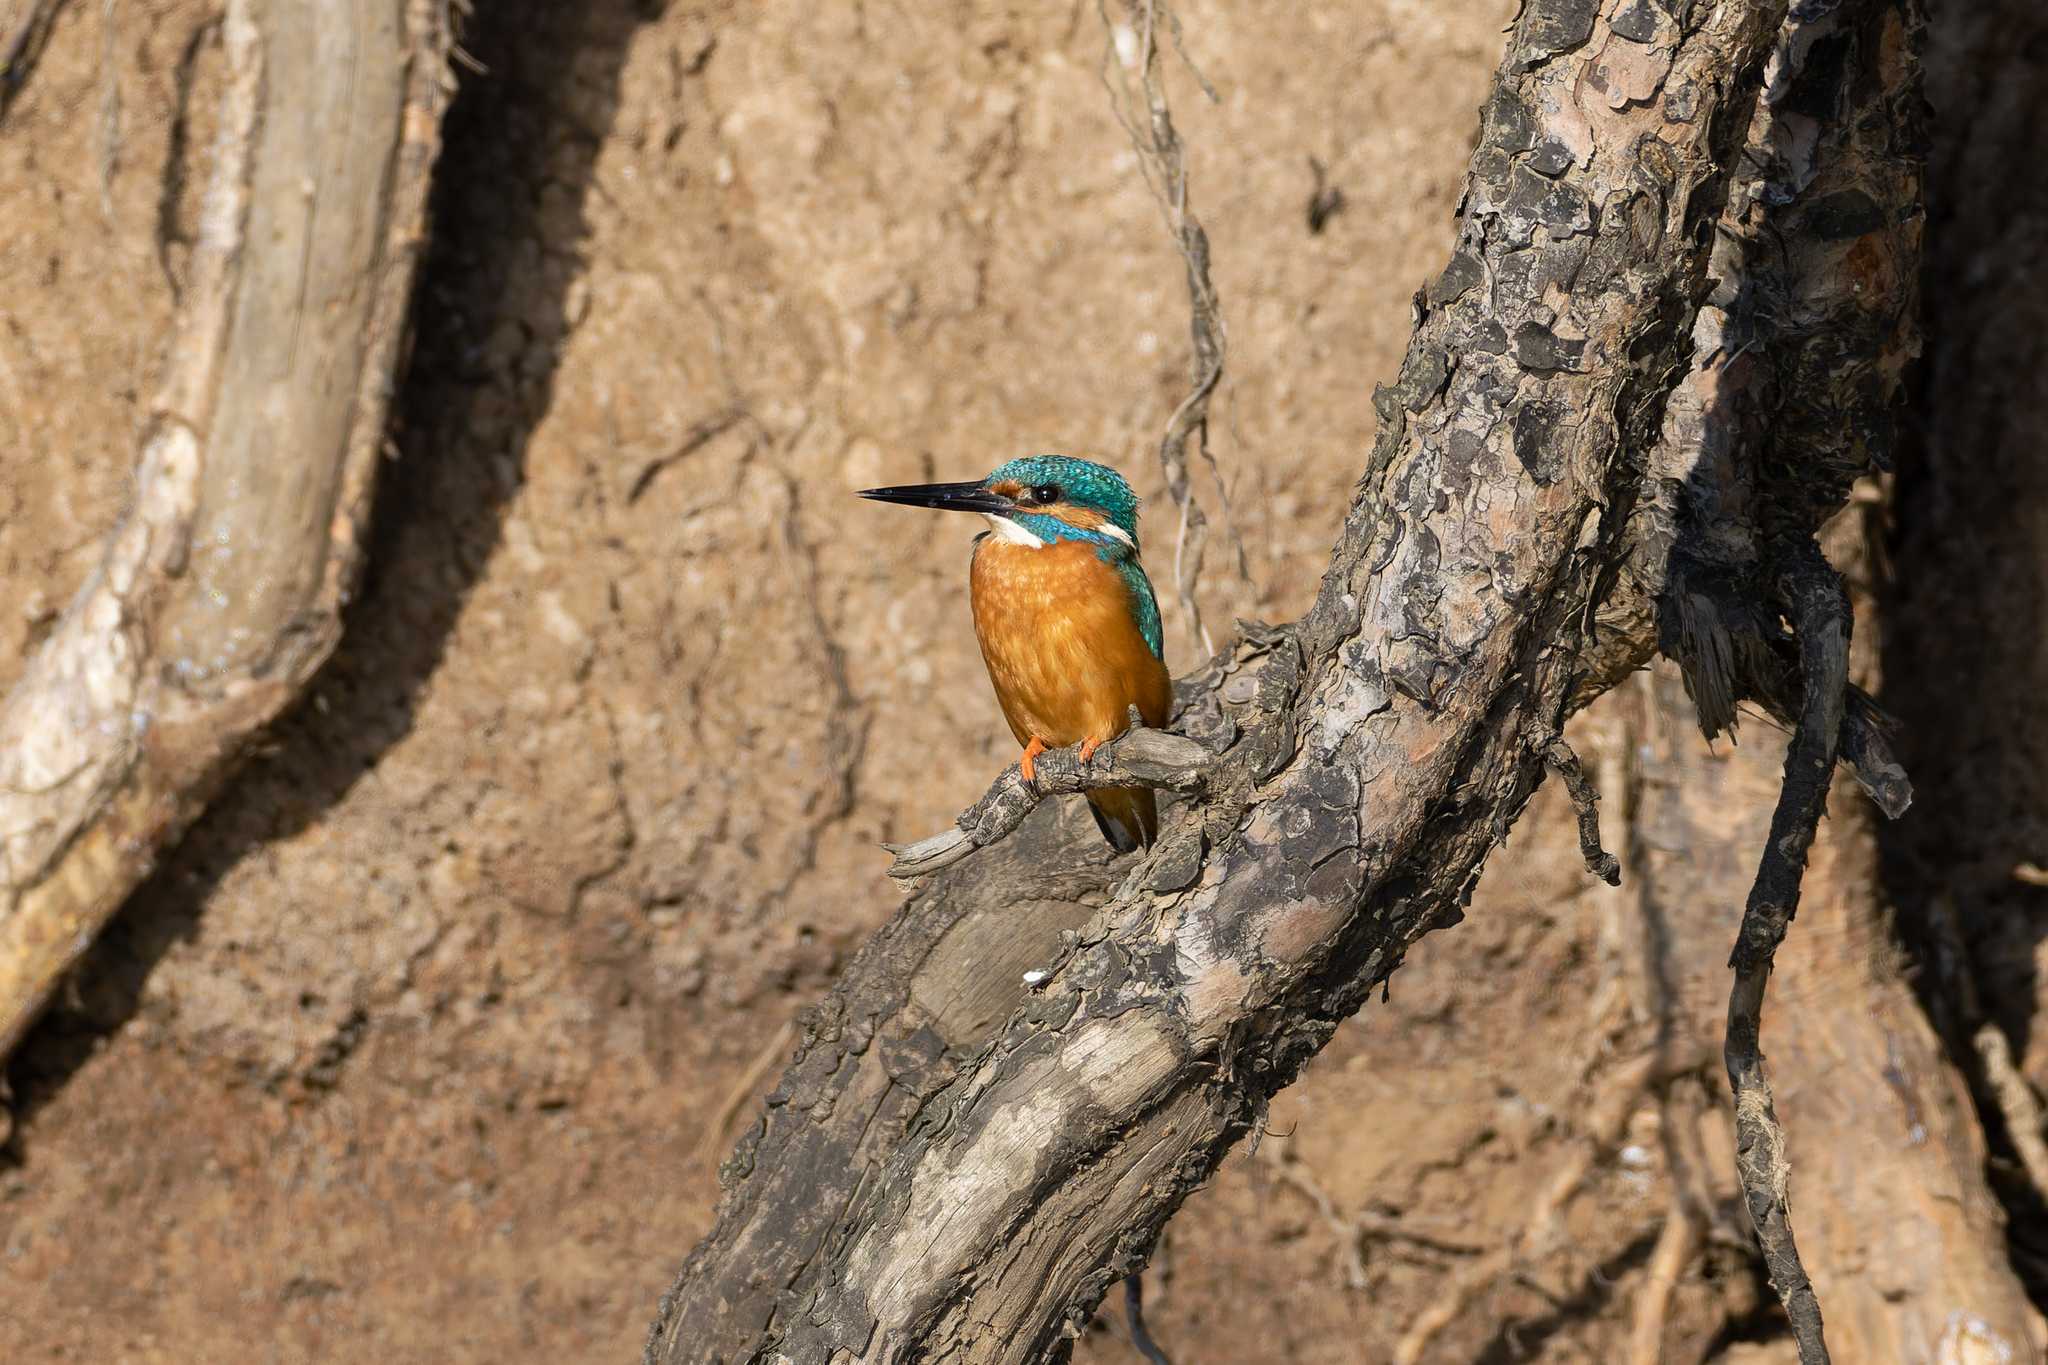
(1493, 574)
(1387, 742)
(222, 590)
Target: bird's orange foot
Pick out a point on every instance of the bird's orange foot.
(1032, 750)
(1089, 746)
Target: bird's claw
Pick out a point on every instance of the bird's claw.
(1032, 750)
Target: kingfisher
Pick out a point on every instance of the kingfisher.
(1066, 618)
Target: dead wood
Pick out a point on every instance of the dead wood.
(1822, 615)
(221, 592)
(1527, 530)
(1138, 758)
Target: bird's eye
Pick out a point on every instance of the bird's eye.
(1045, 493)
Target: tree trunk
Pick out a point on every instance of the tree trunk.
(222, 590)
(1533, 518)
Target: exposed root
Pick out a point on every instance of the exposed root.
(1134, 1310)
(1291, 1171)
(1145, 116)
(1676, 1245)
(2016, 1103)
(1686, 1222)
(1354, 1232)
(1820, 612)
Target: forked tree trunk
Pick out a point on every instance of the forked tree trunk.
(963, 1157)
(221, 591)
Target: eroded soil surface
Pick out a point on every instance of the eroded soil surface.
(427, 1041)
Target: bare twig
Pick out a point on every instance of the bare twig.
(1324, 203)
(1165, 171)
(1868, 753)
(1137, 758)
(1820, 611)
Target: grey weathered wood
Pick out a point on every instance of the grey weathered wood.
(1506, 557)
(221, 591)
(1139, 757)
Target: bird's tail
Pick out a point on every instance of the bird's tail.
(1127, 816)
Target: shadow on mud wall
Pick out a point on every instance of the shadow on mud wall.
(489, 316)
(1965, 667)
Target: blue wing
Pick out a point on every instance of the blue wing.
(1144, 603)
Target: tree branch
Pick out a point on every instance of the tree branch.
(1533, 520)
(979, 1200)
(1137, 758)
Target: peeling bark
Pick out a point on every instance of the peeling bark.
(221, 592)
(1522, 537)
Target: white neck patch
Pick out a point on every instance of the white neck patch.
(1010, 533)
(1116, 532)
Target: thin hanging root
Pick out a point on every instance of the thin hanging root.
(1820, 611)
(1134, 1311)
(1147, 119)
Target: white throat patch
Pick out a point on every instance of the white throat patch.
(1010, 533)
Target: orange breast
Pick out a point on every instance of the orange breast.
(1062, 646)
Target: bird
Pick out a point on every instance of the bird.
(1066, 617)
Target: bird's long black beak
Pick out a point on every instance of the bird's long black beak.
(947, 497)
